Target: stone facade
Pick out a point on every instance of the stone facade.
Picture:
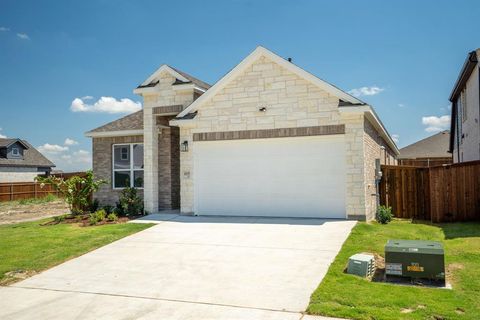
(156, 194)
(102, 166)
(291, 102)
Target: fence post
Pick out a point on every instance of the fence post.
(11, 191)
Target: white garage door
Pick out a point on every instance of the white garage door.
(278, 177)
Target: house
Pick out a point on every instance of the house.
(268, 139)
(465, 99)
(21, 162)
(428, 152)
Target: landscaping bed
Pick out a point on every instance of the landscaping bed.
(27, 248)
(348, 296)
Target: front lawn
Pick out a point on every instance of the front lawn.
(29, 247)
(348, 296)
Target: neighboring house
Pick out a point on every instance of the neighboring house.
(268, 139)
(20, 162)
(428, 152)
(465, 120)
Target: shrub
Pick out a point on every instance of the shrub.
(129, 204)
(97, 216)
(108, 209)
(76, 190)
(94, 205)
(61, 218)
(112, 217)
(384, 214)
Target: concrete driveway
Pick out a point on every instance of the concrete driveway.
(188, 268)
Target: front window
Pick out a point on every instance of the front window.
(128, 165)
(15, 152)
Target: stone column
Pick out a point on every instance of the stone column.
(150, 158)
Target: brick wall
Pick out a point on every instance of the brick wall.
(373, 143)
(102, 166)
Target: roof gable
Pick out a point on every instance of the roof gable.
(5, 143)
(181, 76)
(249, 60)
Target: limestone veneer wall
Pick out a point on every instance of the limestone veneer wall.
(291, 102)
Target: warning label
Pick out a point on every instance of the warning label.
(394, 269)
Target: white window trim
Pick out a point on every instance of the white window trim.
(131, 170)
(15, 152)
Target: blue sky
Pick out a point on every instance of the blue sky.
(405, 54)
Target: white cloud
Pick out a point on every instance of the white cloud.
(366, 91)
(395, 137)
(87, 98)
(82, 156)
(401, 105)
(436, 124)
(23, 36)
(52, 148)
(4, 29)
(70, 142)
(71, 161)
(106, 105)
(2, 135)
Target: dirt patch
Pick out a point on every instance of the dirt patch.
(16, 275)
(15, 212)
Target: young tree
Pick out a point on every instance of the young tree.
(76, 190)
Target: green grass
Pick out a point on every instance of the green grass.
(31, 247)
(348, 296)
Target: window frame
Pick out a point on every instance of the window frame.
(15, 152)
(131, 170)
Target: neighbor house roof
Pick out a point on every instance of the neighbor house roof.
(31, 156)
(7, 142)
(130, 124)
(435, 146)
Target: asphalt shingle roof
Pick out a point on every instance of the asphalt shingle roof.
(435, 146)
(132, 121)
(31, 156)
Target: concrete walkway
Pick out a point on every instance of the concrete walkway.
(188, 268)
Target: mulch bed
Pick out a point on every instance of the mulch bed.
(83, 220)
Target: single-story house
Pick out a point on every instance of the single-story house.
(428, 152)
(268, 139)
(21, 162)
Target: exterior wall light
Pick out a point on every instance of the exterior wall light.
(262, 109)
(184, 146)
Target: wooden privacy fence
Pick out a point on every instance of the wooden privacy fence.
(440, 194)
(10, 191)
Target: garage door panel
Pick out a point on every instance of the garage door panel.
(290, 177)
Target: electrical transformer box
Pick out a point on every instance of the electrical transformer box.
(415, 259)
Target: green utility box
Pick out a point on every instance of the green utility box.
(362, 265)
(415, 259)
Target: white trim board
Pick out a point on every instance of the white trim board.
(119, 133)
